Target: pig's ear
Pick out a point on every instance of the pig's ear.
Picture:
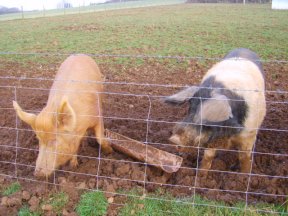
(66, 117)
(182, 96)
(29, 118)
(215, 109)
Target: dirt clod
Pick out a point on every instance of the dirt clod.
(41, 190)
(81, 185)
(65, 212)
(47, 207)
(122, 170)
(4, 201)
(26, 195)
(110, 191)
(15, 202)
(34, 203)
(91, 183)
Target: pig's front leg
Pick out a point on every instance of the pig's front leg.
(245, 153)
(74, 162)
(206, 162)
(103, 142)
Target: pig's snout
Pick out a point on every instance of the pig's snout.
(175, 139)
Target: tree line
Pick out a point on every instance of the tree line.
(5, 10)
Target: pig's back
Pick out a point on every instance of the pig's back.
(245, 54)
(78, 79)
(245, 79)
(77, 71)
(239, 74)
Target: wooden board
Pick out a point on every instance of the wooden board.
(164, 160)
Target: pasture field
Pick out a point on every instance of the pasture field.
(134, 47)
(184, 29)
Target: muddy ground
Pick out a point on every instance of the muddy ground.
(127, 114)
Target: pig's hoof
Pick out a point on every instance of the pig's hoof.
(74, 162)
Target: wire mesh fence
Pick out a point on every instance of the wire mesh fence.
(133, 106)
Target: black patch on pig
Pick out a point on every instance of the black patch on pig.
(226, 128)
(246, 54)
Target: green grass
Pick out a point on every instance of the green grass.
(57, 201)
(165, 205)
(25, 211)
(11, 189)
(92, 204)
(208, 30)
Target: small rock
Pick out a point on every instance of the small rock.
(47, 207)
(4, 201)
(91, 183)
(26, 195)
(110, 199)
(34, 201)
(131, 106)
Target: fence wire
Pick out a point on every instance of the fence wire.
(17, 145)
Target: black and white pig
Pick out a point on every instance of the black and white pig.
(229, 103)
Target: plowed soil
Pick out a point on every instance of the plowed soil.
(127, 114)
